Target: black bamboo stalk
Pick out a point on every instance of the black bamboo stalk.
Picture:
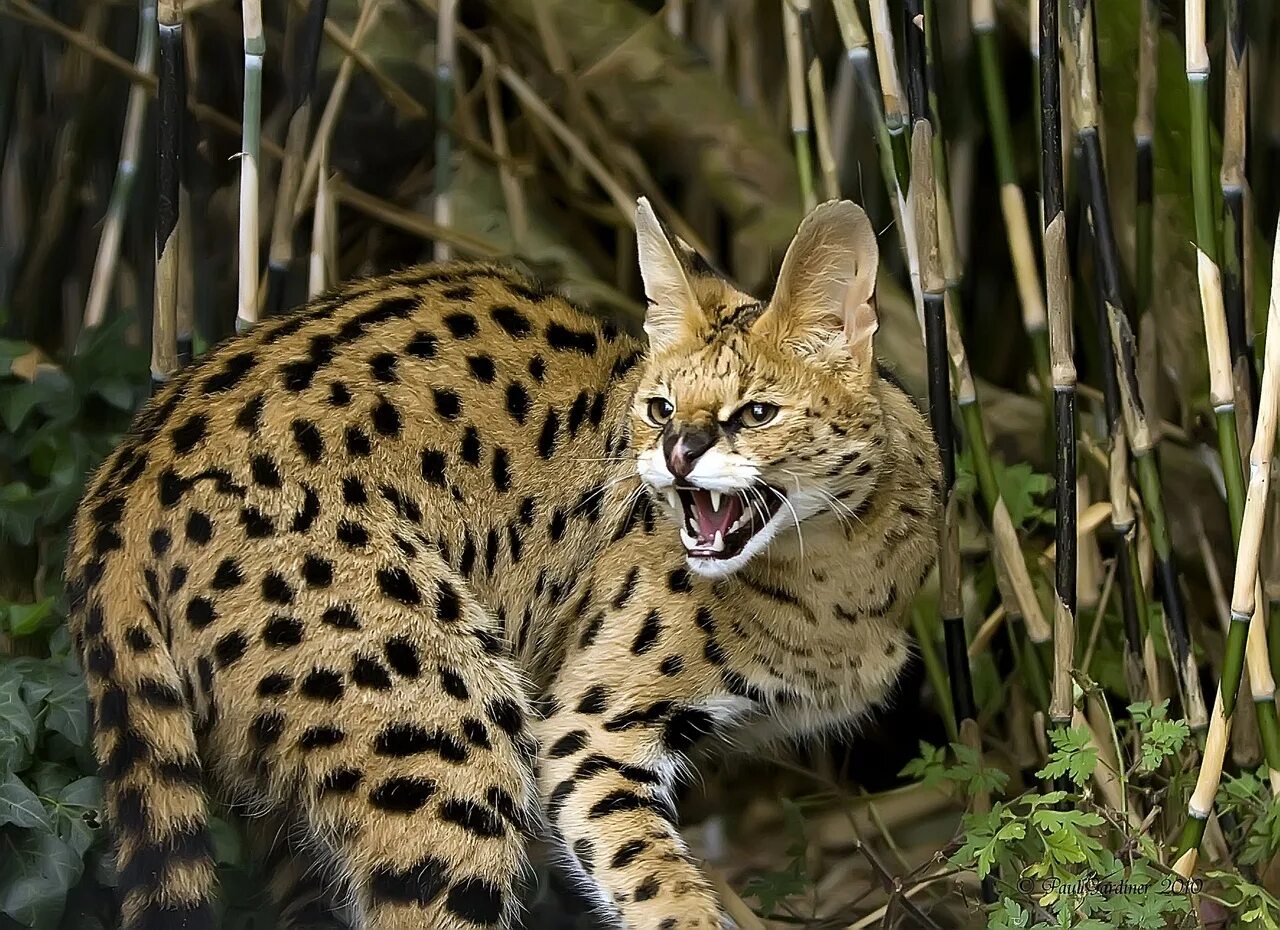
(172, 102)
(818, 114)
(303, 51)
(1057, 278)
(185, 316)
(933, 286)
(1143, 137)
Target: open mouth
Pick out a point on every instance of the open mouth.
(719, 524)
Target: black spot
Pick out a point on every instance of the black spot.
(515, 323)
(233, 371)
(476, 901)
(461, 325)
(628, 588)
(671, 665)
(265, 730)
(172, 487)
(568, 744)
(482, 368)
(597, 409)
(491, 544)
(229, 649)
(339, 396)
(650, 630)
(547, 438)
(138, 638)
(341, 617)
(407, 739)
(322, 684)
(369, 673)
(578, 412)
(357, 442)
(594, 700)
(616, 802)
(159, 694)
(256, 523)
(433, 466)
(204, 668)
(310, 509)
(200, 613)
(275, 589)
(422, 345)
(396, 584)
(282, 632)
(403, 657)
(186, 436)
(590, 631)
(274, 685)
(501, 470)
(352, 534)
(563, 339)
(420, 884)
(317, 572)
(475, 733)
(264, 471)
(386, 418)
(686, 727)
(472, 817)
(160, 540)
(321, 737)
(468, 560)
(680, 581)
(308, 439)
(627, 853)
(517, 402)
(453, 684)
(353, 492)
(227, 575)
(199, 529)
(383, 367)
(448, 403)
(506, 715)
(402, 795)
(471, 446)
(639, 717)
(557, 525)
(648, 888)
(341, 781)
(448, 603)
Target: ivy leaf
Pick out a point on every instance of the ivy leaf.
(17, 726)
(20, 806)
(68, 709)
(39, 871)
(25, 619)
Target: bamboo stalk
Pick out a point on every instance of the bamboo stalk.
(446, 56)
(104, 266)
(797, 97)
(1245, 602)
(303, 52)
(922, 196)
(1057, 277)
(185, 316)
(1143, 135)
(817, 103)
(173, 94)
(255, 50)
(1013, 207)
(895, 110)
(318, 270)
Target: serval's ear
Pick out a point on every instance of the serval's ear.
(825, 297)
(673, 307)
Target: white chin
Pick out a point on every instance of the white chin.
(710, 567)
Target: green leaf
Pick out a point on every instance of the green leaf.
(20, 806)
(68, 709)
(39, 869)
(25, 619)
(17, 726)
(1072, 756)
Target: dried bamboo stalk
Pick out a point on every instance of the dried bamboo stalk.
(104, 266)
(446, 58)
(173, 94)
(798, 102)
(255, 50)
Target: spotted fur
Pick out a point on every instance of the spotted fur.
(398, 571)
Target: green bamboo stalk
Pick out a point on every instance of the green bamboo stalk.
(1057, 279)
(1012, 205)
(1245, 601)
(104, 266)
(172, 102)
(799, 107)
(446, 56)
(895, 111)
(255, 50)
(817, 103)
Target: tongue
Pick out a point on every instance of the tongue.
(709, 519)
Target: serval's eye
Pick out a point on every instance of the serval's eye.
(757, 414)
(659, 410)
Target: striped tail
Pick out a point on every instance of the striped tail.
(145, 743)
